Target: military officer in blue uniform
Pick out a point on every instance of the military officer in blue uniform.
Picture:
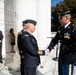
(30, 48)
(66, 34)
(19, 44)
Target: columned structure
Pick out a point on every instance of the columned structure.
(40, 11)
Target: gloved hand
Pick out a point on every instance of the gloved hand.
(47, 51)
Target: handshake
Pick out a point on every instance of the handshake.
(47, 51)
(44, 52)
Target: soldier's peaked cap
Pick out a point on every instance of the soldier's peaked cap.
(29, 21)
(64, 13)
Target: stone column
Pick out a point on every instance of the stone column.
(25, 9)
(3, 68)
(43, 32)
(44, 26)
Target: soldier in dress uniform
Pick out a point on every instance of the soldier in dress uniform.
(20, 52)
(19, 44)
(66, 33)
(30, 48)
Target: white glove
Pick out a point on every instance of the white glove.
(47, 52)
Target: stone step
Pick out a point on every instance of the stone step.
(4, 69)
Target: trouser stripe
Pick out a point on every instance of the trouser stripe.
(70, 69)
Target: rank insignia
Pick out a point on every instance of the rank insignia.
(68, 27)
(26, 35)
(39, 52)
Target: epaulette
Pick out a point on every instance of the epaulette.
(19, 32)
(74, 30)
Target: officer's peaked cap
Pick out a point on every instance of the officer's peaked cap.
(29, 21)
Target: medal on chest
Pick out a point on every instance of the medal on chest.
(67, 35)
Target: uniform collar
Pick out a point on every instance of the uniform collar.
(24, 30)
(67, 25)
(27, 31)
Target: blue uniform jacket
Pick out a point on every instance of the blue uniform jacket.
(30, 49)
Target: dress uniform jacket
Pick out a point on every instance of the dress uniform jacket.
(67, 39)
(30, 48)
(19, 44)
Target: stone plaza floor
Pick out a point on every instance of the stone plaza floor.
(47, 67)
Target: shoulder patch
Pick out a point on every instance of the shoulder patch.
(26, 35)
